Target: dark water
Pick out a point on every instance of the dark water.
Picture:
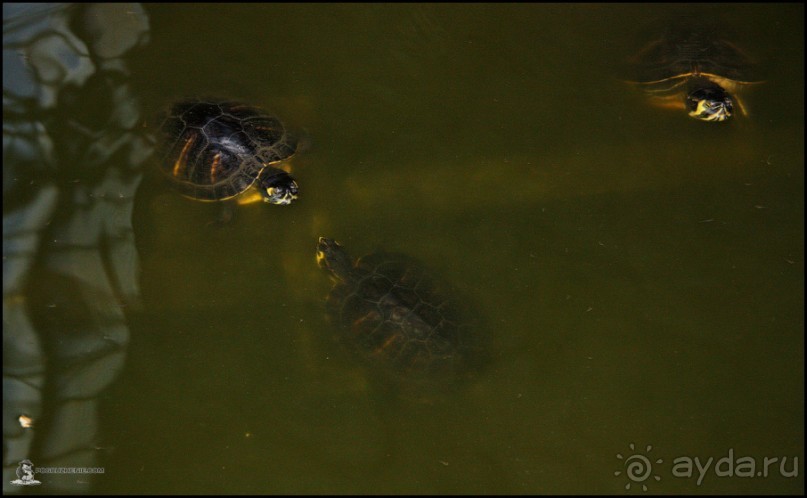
(642, 273)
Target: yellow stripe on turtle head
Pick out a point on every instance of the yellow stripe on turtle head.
(705, 112)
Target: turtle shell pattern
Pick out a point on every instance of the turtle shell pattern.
(690, 47)
(215, 150)
(397, 317)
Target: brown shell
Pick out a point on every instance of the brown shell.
(397, 317)
(215, 150)
(689, 46)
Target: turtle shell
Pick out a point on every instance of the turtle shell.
(397, 317)
(690, 64)
(214, 150)
(689, 47)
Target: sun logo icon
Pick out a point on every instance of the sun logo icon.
(638, 467)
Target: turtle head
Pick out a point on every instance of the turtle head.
(332, 257)
(710, 104)
(277, 187)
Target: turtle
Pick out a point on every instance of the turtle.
(689, 64)
(397, 318)
(218, 149)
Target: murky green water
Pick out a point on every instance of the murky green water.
(642, 273)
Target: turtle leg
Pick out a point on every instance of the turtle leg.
(224, 216)
(740, 105)
(226, 213)
(667, 102)
(250, 196)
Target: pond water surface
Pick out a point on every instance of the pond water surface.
(641, 273)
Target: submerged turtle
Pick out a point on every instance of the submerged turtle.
(394, 316)
(691, 66)
(215, 150)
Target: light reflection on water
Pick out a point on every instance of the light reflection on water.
(641, 273)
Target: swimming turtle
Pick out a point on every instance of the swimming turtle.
(688, 64)
(398, 318)
(215, 150)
